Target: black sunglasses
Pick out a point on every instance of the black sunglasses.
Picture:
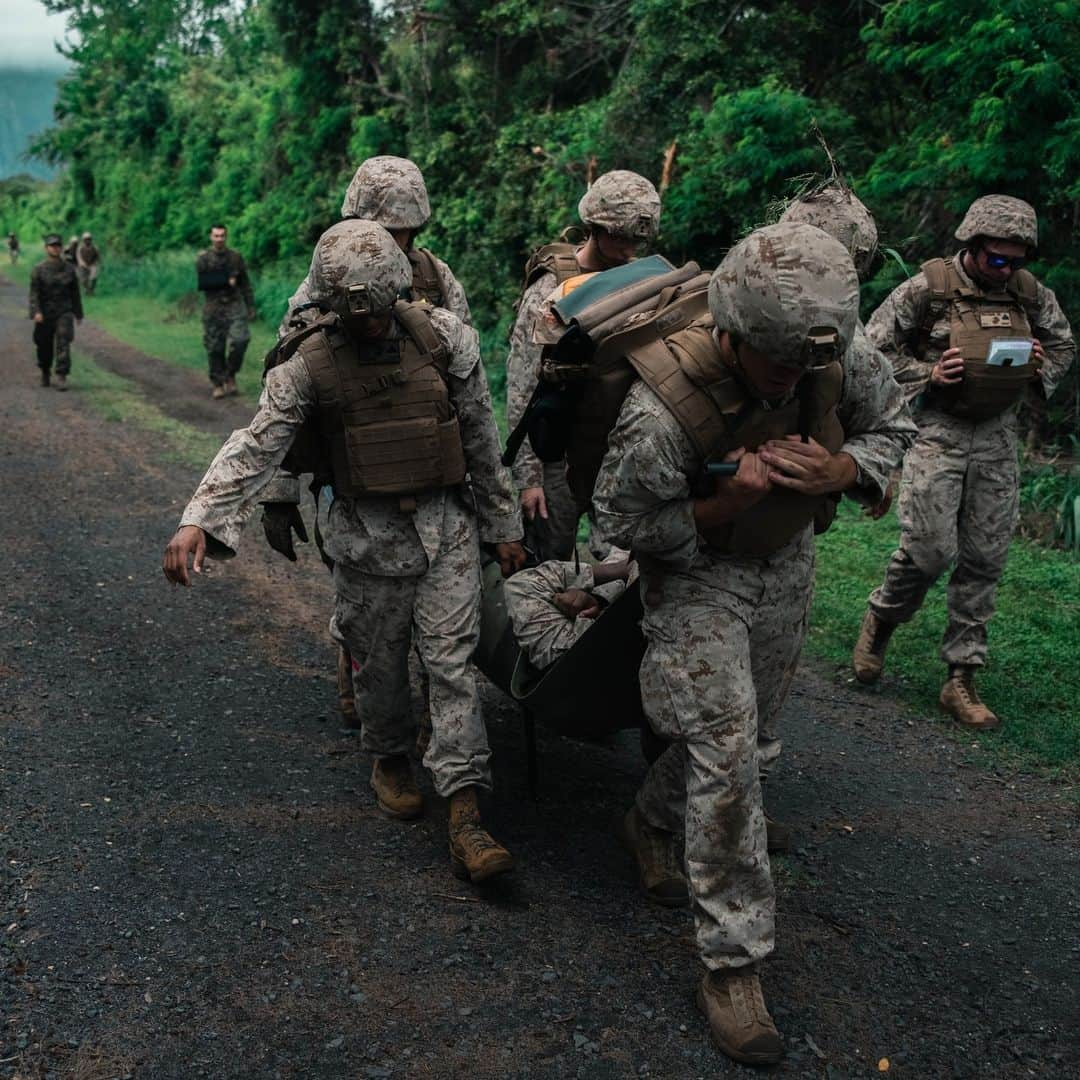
(999, 262)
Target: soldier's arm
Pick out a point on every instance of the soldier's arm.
(642, 500)
(35, 293)
(894, 329)
(233, 485)
(76, 297)
(498, 516)
(877, 421)
(454, 299)
(1053, 331)
(522, 375)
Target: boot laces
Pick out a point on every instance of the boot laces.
(747, 999)
(965, 685)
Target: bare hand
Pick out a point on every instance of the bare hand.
(807, 467)
(533, 503)
(733, 494)
(38, 317)
(511, 557)
(577, 603)
(1038, 357)
(949, 369)
(189, 540)
(880, 509)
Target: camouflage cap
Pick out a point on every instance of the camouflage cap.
(839, 212)
(389, 190)
(51, 238)
(358, 267)
(87, 236)
(1001, 217)
(785, 289)
(623, 204)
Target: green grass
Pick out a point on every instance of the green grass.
(118, 400)
(1032, 678)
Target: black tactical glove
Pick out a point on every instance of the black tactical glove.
(279, 521)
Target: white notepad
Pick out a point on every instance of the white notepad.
(1009, 352)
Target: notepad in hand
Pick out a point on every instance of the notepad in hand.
(1009, 352)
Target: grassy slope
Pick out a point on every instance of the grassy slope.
(1032, 679)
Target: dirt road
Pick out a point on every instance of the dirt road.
(196, 882)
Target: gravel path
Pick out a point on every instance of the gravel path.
(196, 882)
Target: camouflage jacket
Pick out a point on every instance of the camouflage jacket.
(374, 535)
(54, 289)
(232, 264)
(895, 327)
(643, 496)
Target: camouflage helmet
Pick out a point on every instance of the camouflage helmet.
(789, 290)
(389, 190)
(836, 209)
(1000, 217)
(358, 269)
(623, 204)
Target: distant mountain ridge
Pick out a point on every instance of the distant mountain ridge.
(27, 97)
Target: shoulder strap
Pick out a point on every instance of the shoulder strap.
(937, 278)
(417, 322)
(1025, 287)
(282, 350)
(559, 259)
(426, 282)
(698, 414)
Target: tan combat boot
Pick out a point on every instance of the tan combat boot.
(395, 788)
(346, 693)
(218, 392)
(230, 386)
(961, 701)
(474, 854)
(60, 382)
(738, 1020)
(869, 656)
(659, 865)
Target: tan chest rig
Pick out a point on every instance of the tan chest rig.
(976, 318)
(383, 417)
(425, 278)
(713, 407)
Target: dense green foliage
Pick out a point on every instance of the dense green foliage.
(181, 112)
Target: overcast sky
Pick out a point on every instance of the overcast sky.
(28, 33)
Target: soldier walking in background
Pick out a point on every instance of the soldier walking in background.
(621, 211)
(767, 381)
(404, 412)
(69, 251)
(55, 305)
(960, 494)
(228, 308)
(88, 263)
(13, 248)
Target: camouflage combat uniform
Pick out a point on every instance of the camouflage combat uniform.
(397, 572)
(541, 630)
(724, 638)
(960, 494)
(88, 263)
(54, 294)
(227, 311)
(624, 204)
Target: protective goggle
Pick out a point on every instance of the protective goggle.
(997, 261)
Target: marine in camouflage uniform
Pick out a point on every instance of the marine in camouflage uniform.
(724, 627)
(55, 305)
(228, 308)
(88, 263)
(621, 211)
(960, 493)
(392, 192)
(403, 566)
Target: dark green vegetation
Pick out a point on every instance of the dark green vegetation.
(178, 113)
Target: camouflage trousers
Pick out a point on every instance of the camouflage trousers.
(225, 327)
(88, 276)
(556, 537)
(959, 502)
(52, 339)
(722, 649)
(376, 619)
